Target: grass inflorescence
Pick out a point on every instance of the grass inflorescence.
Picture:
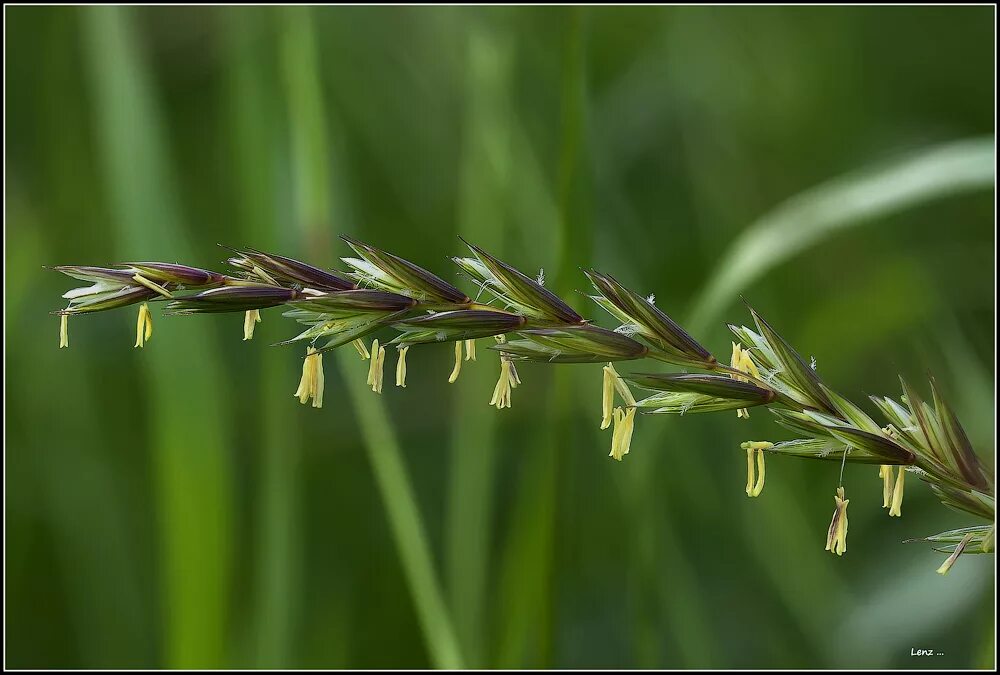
(524, 321)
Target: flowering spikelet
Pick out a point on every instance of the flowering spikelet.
(897, 493)
(741, 361)
(401, 367)
(143, 326)
(458, 364)
(959, 548)
(836, 536)
(63, 331)
(362, 349)
(375, 367)
(621, 436)
(470, 350)
(250, 320)
(311, 383)
(755, 451)
(885, 473)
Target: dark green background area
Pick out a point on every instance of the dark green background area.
(176, 507)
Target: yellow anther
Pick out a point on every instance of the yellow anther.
(507, 381)
(401, 367)
(470, 350)
(836, 536)
(312, 381)
(607, 397)
(375, 367)
(458, 364)
(621, 436)
(143, 326)
(885, 473)
(742, 362)
(361, 349)
(897, 493)
(947, 564)
(152, 285)
(755, 479)
(63, 330)
(250, 321)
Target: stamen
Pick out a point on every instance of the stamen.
(152, 285)
(508, 380)
(741, 361)
(759, 485)
(458, 364)
(959, 549)
(607, 397)
(470, 350)
(836, 536)
(312, 382)
(885, 473)
(362, 349)
(379, 362)
(63, 330)
(897, 493)
(143, 326)
(250, 320)
(401, 367)
(373, 364)
(755, 479)
(618, 416)
(625, 444)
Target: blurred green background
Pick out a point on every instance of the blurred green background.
(176, 507)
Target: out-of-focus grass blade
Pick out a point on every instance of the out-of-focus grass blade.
(310, 153)
(525, 626)
(188, 416)
(856, 198)
(251, 117)
(483, 204)
(404, 518)
(76, 489)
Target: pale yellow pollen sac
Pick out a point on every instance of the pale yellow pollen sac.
(885, 473)
(143, 326)
(613, 382)
(470, 350)
(63, 330)
(505, 384)
(250, 321)
(312, 381)
(361, 349)
(152, 285)
(836, 536)
(742, 362)
(959, 549)
(458, 364)
(375, 367)
(264, 276)
(401, 367)
(897, 493)
(607, 398)
(621, 436)
(755, 478)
